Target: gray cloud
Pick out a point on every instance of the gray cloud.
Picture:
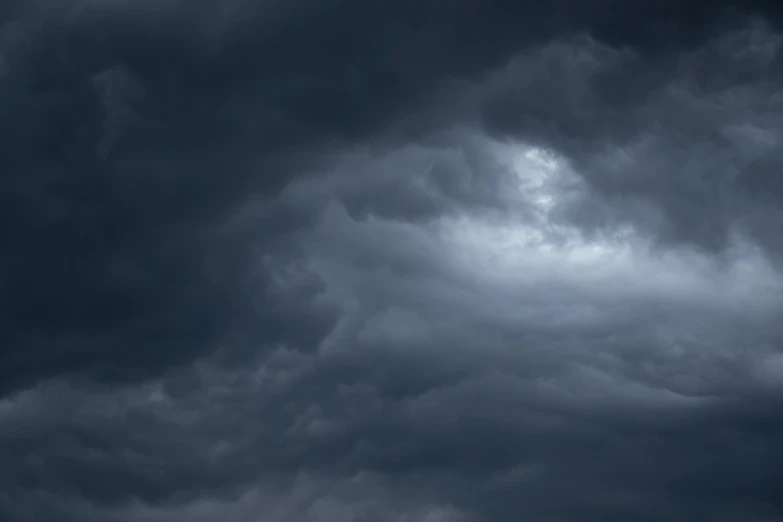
(328, 261)
(685, 146)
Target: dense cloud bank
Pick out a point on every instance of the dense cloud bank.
(391, 261)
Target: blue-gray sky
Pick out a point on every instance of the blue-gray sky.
(410, 261)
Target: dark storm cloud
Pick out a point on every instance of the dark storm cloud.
(296, 261)
(131, 131)
(426, 385)
(532, 423)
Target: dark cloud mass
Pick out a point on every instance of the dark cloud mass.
(467, 261)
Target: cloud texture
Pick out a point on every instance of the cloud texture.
(391, 261)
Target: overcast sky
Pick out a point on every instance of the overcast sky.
(391, 261)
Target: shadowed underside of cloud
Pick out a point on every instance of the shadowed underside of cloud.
(445, 261)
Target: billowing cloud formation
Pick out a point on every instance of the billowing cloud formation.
(448, 261)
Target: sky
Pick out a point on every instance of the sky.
(391, 261)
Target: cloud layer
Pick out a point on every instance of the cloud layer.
(394, 261)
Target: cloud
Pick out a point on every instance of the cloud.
(684, 147)
(453, 262)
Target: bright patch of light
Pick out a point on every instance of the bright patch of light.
(529, 235)
(527, 247)
(535, 170)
